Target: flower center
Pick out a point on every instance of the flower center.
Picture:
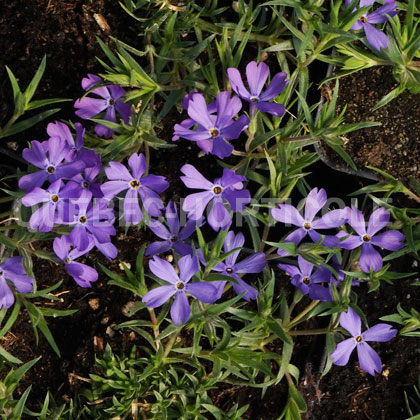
(85, 184)
(67, 260)
(214, 132)
(229, 270)
(217, 190)
(50, 169)
(111, 102)
(306, 280)
(358, 339)
(255, 99)
(54, 198)
(366, 238)
(134, 184)
(180, 285)
(363, 19)
(82, 219)
(307, 225)
(174, 238)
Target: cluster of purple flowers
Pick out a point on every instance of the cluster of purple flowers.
(215, 123)
(308, 224)
(74, 198)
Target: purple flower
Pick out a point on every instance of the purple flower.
(110, 103)
(229, 267)
(376, 38)
(368, 358)
(76, 152)
(48, 156)
(308, 282)
(179, 286)
(189, 122)
(214, 131)
(227, 189)
(12, 269)
(147, 187)
(86, 180)
(54, 198)
(257, 75)
(173, 237)
(86, 218)
(307, 225)
(65, 250)
(367, 237)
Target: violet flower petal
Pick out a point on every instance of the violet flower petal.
(89, 107)
(158, 247)
(370, 258)
(157, 183)
(368, 359)
(241, 286)
(288, 215)
(194, 179)
(118, 172)
(238, 200)
(257, 76)
(172, 219)
(357, 221)
(158, 296)
(188, 266)
(221, 148)
(180, 310)
(111, 189)
(137, 163)
(233, 131)
(376, 38)
(253, 264)
(197, 110)
(227, 108)
(379, 15)
(132, 212)
(162, 269)
(378, 220)
(272, 108)
(7, 297)
(233, 241)
(390, 240)
(82, 274)
(203, 291)
(237, 84)
(314, 202)
(351, 322)
(276, 86)
(379, 332)
(195, 204)
(342, 352)
(219, 217)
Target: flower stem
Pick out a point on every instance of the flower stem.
(170, 343)
(303, 314)
(155, 327)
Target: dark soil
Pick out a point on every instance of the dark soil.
(394, 146)
(66, 31)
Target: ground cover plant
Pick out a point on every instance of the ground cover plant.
(184, 184)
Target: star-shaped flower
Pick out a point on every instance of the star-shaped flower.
(257, 75)
(225, 190)
(179, 286)
(368, 358)
(367, 237)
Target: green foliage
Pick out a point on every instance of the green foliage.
(23, 103)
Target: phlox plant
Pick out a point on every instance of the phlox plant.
(241, 250)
